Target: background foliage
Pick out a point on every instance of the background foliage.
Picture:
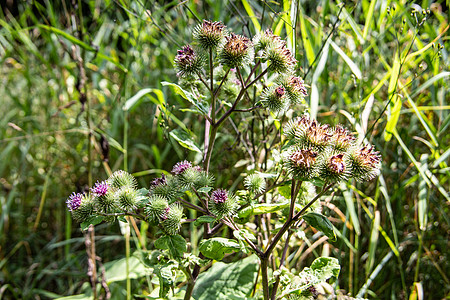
(68, 69)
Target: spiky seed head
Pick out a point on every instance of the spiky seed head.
(237, 51)
(85, 211)
(265, 39)
(74, 201)
(222, 204)
(121, 179)
(203, 180)
(106, 203)
(166, 187)
(171, 219)
(209, 34)
(365, 163)
(188, 62)
(255, 183)
(341, 139)
(295, 88)
(279, 58)
(127, 199)
(189, 178)
(181, 166)
(302, 163)
(275, 98)
(335, 168)
(156, 208)
(311, 134)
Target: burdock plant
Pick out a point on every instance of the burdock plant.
(290, 171)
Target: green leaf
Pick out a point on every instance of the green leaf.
(114, 270)
(215, 248)
(355, 69)
(185, 140)
(134, 101)
(94, 221)
(205, 189)
(263, 208)
(204, 219)
(285, 191)
(252, 15)
(320, 222)
(227, 281)
(176, 245)
(201, 105)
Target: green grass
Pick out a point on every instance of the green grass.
(381, 72)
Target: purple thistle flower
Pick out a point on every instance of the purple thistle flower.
(219, 196)
(181, 166)
(100, 189)
(74, 201)
(159, 181)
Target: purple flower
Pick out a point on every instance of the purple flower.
(100, 189)
(181, 166)
(219, 196)
(159, 181)
(74, 201)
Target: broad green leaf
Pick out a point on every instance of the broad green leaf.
(185, 140)
(205, 189)
(92, 221)
(204, 219)
(263, 208)
(285, 191)
(176, 245)
(115, 270)
(215, 248)
(320, 222)
(322, 269)
(201, 105)
(227, 281)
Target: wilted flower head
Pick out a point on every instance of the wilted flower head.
(279, 57)
(181, 166)
(188, 62)
(219, 196)
(302, 163)
(74, 201)
(335, 168)
(311, 134)
(295, 88)
(100, 188)
(237, 51)
(366, 163)
(275, 98)
(342, 139)
(209, 34)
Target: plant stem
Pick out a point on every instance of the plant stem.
(283, 258)
(265, 278)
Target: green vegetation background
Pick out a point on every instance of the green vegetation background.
(374, 66)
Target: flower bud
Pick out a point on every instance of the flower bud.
(295, 89)
(156, 208)
(265, 39)
(181, 166)
(127, 199)
(255, 183)
(121, 179)
(166, 186)
(171, 219)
